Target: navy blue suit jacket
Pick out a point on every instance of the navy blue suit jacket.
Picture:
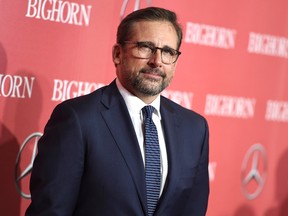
(89, 161)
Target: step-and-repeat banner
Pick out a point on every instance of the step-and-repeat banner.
(233, 70)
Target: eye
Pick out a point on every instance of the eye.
(144, 46)
(169, 51)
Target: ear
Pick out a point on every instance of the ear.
(116, 54)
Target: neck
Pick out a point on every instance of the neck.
(146, 99)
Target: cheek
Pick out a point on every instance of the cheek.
(134, 66)
(170, 72)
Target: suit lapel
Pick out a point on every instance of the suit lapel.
(119, 122)
(171, 125)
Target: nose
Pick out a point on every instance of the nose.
(156, 58)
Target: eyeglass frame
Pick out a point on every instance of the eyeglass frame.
(154, 50)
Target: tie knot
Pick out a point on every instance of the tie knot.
(147, 111)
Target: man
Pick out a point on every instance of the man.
(92, 158)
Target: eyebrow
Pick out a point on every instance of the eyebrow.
(151, 43)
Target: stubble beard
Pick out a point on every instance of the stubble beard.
(150, 86)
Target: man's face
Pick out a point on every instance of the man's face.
(145, 77)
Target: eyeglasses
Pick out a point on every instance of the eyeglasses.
(146, 50)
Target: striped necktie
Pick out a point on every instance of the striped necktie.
(152, 160)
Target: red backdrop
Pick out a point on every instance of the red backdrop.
(233, 70)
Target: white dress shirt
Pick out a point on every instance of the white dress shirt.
(135, 105)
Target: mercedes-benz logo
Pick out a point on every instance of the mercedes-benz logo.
(136, 6)
(29, 148)
(254, 171)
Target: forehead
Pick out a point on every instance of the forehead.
(161, 33)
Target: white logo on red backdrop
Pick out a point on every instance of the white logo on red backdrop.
(183, 98)
(254, 171)
(277, 111)
(66, 89)
(15, 86)
(208, 35)
(230, 106)
(212, 170)
(59, 11)
(24, 164)
(268, 45)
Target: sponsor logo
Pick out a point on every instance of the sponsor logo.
(59, 11)
(254, 171)
(183, 98)
(15, 86)
(212, 171)
(208, 35)
(24, 163)
(228, 106)
(136, 6)
(65, 89)
(268, 45)
(277, 111)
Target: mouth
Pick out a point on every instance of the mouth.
(153, 73)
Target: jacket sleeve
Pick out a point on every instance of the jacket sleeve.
(58, 167)
(198, 199)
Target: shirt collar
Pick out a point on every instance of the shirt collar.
(135, 104)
